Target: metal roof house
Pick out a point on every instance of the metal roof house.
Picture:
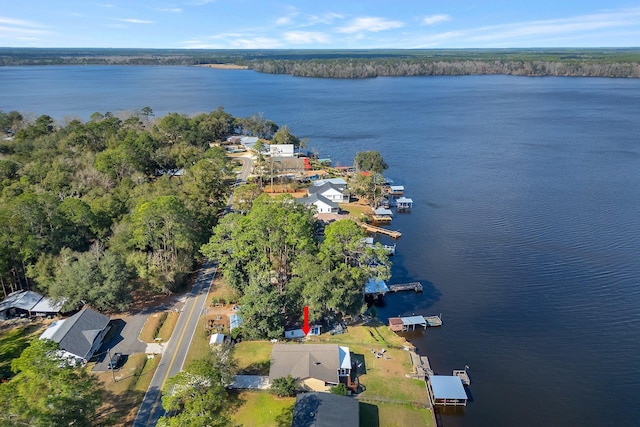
(317, 366)
(446, 391)
(28, 303)
(340, 182)
(80, 335)
(325, 410)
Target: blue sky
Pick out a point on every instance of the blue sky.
(267, 24)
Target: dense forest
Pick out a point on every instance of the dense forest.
(94, 212)
(623, 62)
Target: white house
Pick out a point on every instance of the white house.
(281, 150)
(322, 204)
(338, 182)
(329, 191)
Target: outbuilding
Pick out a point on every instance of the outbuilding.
(446, 391)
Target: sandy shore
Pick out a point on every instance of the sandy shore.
(224, 66)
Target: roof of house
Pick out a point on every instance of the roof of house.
(77, 333)
(320, 361)
(312, 199)
(24, 300)
(447, 387)
(325, 410)
(320, 189)
(334, 181)
(46, 305)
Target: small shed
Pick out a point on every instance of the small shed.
(404, 204)
(446, 391)
(216, 339)
(299, 333)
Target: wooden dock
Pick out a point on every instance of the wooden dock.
(379, 230)
(413, 286)
(463, 375)
(434, 320)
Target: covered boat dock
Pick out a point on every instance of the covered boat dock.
(446, 391)
(398, 324)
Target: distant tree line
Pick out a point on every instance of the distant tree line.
(368, 68)
(359, 63)
(93, 212)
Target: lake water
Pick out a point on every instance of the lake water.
(526, 224)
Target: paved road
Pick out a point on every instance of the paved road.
(242, 176)
(177, 347)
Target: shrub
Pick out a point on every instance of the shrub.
(340, 389)
(284, 386)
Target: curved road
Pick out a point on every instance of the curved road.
(177, 347)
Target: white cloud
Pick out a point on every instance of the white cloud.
(305, 37)
(233, 41)
(372, 24)
(201, 2)
(284, 20)
(434, 19)
(324, 18)
(135, 21)
(19, 22)
(171, 10)
(562, 26)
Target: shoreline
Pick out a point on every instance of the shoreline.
(224, 66)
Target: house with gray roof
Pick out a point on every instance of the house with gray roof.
(331, 191)
(80, 335)
(325, 410)
(316, 366)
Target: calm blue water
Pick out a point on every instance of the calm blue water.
(525, 230)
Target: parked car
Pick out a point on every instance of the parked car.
(114, 363)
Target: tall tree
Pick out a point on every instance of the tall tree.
(47, 392)
(370, 161)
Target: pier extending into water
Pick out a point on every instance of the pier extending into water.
(379, 230)
(413, 286)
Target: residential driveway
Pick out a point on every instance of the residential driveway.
(122, 338)
(250, 382)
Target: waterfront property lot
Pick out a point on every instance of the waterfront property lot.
(262, 409)
(389, 397)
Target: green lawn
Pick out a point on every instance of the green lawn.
(12, 342)
(392, 415)
(253, 357)
(263, 409)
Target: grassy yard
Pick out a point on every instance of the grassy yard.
(12, 342)
(392, 415)
(124, 396)
(199, 347)
(153, 322)
(221, 289)
(253, 357)
(356, 210)
(263, 409)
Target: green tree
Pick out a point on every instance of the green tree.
(370, 161)
(284, 136)
(244, 195)
(195, 397)
(163, 230)
(47, 392)
(339, 389)
(284, 386)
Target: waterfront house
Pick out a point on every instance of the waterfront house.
(80, 335)
(333, 192)
(281, 150)
(338, 182)
(322, 204)
(317, 367)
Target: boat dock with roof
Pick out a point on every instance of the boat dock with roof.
(409, 323)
